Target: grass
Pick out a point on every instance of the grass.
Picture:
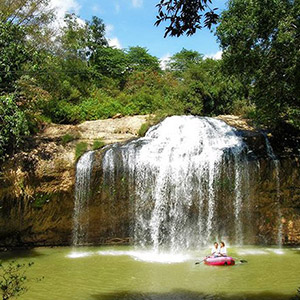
(98, 144)
(80, 149)
(144, 128)
(68, 138)
(152, 120)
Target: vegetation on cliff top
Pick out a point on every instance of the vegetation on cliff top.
(73, 75)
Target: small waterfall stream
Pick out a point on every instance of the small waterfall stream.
(82, 191)
(188, 178)
(275, 162)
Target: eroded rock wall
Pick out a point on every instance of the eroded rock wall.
(37, 187)
(37, 184)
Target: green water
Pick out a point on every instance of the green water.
(108, 273)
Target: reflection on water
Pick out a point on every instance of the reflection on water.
(109, 273)
(142, 255)
(185, 295)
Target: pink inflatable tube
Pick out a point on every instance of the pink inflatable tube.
(219, 261)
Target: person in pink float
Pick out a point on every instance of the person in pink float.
(222, 249)
(215, 251)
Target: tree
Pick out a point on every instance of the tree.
(110, 62)
(15, 53)
(260, 41)
(140, 60)
(81, 40)
(96, 37)
(26, 12)
(183, 60)
(33, 16)
(185, 16)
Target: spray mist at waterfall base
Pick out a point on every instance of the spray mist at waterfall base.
(165, 257)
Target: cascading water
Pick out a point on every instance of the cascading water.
(186, 178)
(82, 191)
(275, 162)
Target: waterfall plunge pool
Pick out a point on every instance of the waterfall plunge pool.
(122, 272)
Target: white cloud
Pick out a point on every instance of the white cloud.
(216, 56)
(114, 42)
(109, 28)
(164, 61)
(63, 7)
(137, 3)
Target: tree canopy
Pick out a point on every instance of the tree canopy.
(73, 75)
(261, 42)
(185, 16)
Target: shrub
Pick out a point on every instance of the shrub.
(13, 279)
(13, 125)
(63, 112)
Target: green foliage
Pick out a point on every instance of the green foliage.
(13, 125)
(30, 13)
(40, 199)
(203, 88)
(183, 60)
(82, 41)
(185, 16)
(14, 54)
(140, 60)
(68, 138)
(153, 120)
(80, 149)
(109, 62)
(63, 112)
(74, 75)
(98, 144)
(32, 17)
(144, 128)
(261, 42)
(13, 279)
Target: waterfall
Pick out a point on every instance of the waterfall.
(275, 162)
(187, 178)
(82, 192)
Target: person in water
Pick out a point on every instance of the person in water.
(215, 250)
(222, 250)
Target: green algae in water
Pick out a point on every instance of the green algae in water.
(107, 273)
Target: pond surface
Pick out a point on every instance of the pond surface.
(108, 273)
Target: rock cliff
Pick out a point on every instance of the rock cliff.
(37, 185)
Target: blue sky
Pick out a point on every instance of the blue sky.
(130, 23)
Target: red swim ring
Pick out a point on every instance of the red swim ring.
(219, 261)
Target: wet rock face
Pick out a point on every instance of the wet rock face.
(267, 202)
(34, 197)
(37, 184)
(37, 188)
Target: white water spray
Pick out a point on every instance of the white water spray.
(275, 162)
(186, 175)
(82, 192)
